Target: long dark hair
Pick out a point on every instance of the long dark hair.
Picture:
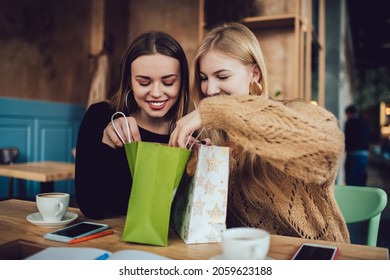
(152, 42)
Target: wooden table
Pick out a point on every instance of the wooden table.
(13, 225)
(45, 172)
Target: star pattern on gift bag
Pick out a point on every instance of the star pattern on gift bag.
(209, 188)
(213, 163)
(225, 151)
(206, 201)
(188, 208)
(185, 231)
(198, 207)
(199, 179)
(215, 213)
(212, 237)
(223, 194)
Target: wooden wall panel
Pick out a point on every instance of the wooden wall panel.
(277, 44)
(179, 18)
(46, 45)
(44, 50)
(272, 7)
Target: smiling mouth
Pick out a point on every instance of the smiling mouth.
(157, 105)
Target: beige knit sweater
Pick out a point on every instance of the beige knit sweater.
(303, 145)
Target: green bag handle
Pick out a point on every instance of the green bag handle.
(129, 135)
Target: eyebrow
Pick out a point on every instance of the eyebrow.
(163, 77)
(216, 72)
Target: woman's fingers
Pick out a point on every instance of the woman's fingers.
(121, 128)
(180, 135)
(121, 131)
(173, 138)
(184, 127)
(191, 141)
(207, 142)
(128, 129)
(134, 131)
(110, 137)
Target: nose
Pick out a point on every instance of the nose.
(155, 91)
(211, 88)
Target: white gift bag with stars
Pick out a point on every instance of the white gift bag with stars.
(200, 207)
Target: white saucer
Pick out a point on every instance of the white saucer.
(222, 257)
(37, 220)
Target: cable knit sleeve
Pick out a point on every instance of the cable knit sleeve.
(296, 137)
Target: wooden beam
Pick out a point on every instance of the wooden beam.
(322, 65)
(97, 26)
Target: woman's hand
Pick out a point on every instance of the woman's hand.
(184, 127)
(111, 137)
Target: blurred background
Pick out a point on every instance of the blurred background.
(331, 52)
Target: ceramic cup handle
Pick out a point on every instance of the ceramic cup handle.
(61, 208)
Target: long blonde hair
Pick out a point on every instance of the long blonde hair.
(238, 42)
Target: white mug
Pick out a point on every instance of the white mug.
(52, 206)
(245, 243)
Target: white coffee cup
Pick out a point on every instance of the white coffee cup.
(245, 243)
(52, 206)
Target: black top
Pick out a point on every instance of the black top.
(357, 135)
(103, 179)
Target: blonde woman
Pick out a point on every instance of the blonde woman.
(284, 154)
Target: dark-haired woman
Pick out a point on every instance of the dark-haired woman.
(153, 95)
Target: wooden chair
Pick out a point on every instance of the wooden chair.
(362, 205)
(8, 156)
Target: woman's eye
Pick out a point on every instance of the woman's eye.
(144, 83)
(203, 78)
(223, 77)
(168, 84)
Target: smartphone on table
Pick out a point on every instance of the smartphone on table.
(79, 230)
(312, 251)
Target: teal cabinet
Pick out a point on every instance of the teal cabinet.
(42, 131)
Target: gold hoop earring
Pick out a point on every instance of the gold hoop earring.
(255, 88)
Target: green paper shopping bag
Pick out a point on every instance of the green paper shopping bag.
(156, 170)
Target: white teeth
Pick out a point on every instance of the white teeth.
(157, 103)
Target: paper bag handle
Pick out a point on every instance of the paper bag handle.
(116, 130)
(196, 138)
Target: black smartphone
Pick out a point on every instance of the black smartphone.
(312, 251)
(75, 231)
